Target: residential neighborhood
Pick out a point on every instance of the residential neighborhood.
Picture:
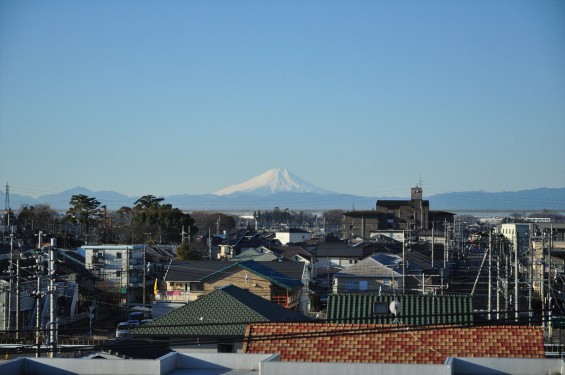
(402, 284)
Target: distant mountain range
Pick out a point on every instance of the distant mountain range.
(280, 188)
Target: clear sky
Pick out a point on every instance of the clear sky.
(361, 97)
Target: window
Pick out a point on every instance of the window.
(118, 255)
(196, 287)
(380, 308)
(351, 285)
(363, 285)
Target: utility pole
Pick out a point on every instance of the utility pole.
(144, 275)
(507, 280)
(18, 298)
(210, 242)
(53, 324)
(39, 270)
(433, 248)
(11, 272)
(516, 284)
(498, 291)
(403, 264)
(530, 284)
(490, 274)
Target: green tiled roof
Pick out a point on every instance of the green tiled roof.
(224, 312)
(414, 309)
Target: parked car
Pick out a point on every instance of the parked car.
(122, 330)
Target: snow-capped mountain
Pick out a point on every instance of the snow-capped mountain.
(273, 181)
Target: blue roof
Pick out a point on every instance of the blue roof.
(261, 269)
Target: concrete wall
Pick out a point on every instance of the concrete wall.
(58, 366)
(316, 368)
(514, 366)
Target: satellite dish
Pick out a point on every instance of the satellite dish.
(394, 307)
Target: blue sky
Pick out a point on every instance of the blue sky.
(360, 97)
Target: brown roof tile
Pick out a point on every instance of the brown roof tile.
(318, 342)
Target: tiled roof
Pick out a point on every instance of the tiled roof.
(315, 342)
(414, 309)
(341, 250)
(262, 269)
(192, 270)
(253, 254)
(223, 312)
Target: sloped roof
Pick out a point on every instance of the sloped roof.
(376, 343)
(379, 265)
(341, 249)
(262, 269)
(224, 312)
(414, 309)
(193, 270)
(288, 251)
(254, 254)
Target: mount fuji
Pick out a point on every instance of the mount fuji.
(272, 182)
(280, 188)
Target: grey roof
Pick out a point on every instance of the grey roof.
(339, 250)
(193, 270)
(253, 254)
(379, 265)
(224, 312)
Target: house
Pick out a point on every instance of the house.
(385, 343)
(283, 282)
(292, 235)
(215, 322)
(338, 255)
(182, 280)
(378, 272)
(241, 241)
(410, 309)
(260, 279)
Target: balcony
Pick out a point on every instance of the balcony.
(98, 261)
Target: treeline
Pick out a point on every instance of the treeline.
(150, 220)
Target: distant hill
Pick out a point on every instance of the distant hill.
(280, 188)
(524, 200)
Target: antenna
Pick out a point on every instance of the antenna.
(394, 308)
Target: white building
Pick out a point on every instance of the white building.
(517, 233)
(292, 235)
(121, 267)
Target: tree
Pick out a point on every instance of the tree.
(153, 220)
(148, 201)
(214, 222)
(185, 252)
(33, 219)
(85, 211)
